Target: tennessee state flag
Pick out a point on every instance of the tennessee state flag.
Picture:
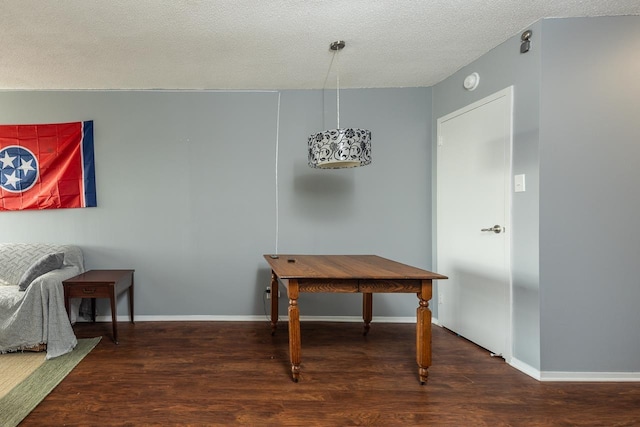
(47, 166)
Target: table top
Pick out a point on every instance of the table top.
(344, 267)
(99, 276)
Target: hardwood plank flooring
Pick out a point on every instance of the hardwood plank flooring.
(236, 373)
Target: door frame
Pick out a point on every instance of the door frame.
(508, 189)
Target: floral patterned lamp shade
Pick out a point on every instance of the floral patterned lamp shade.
(340, 148)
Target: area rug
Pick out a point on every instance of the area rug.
(35, 378)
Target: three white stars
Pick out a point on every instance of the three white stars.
(25, 167)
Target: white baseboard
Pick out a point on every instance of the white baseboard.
(590, 376)
(549, 376)
(525, 368)
(249, 318)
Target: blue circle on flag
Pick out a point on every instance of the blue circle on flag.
(18, 169)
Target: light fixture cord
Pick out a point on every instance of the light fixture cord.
(338, 87)
(276, 177)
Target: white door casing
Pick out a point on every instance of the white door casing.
(474, 193)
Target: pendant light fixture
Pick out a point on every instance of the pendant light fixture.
(341, 147)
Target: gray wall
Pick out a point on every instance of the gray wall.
(186, 185)
(590, 204)
(502, 67)
(383, 208)
(576, 230)
(185, 192)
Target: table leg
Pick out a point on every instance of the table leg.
(131, 299)
(113, 313)
(274, 302)
(367, 310)
(423, 332)
(93, 310)
(66, 304)
(294, 329)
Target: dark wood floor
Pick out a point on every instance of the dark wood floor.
(223, 373)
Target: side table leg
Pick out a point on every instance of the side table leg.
(274, 302)
(113, 313)
(294, 329)
(367, 311)
(131, 299)
(423, 332)
(93, 310)
(66, 302)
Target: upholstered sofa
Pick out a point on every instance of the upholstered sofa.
(36, 316)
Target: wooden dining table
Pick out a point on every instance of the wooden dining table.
(366, 274)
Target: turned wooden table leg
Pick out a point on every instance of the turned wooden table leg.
(294, 329)
(274, 302)
(423, 332)
(367, 310)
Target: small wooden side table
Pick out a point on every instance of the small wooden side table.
(101, 284)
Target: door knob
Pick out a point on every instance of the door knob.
(496, 229)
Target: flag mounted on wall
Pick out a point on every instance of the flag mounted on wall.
(47, 166)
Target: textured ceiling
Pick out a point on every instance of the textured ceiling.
(259, 44)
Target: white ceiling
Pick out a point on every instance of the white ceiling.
(259, 44)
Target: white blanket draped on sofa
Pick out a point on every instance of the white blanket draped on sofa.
(37, 315)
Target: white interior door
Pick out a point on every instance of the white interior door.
(473, 193)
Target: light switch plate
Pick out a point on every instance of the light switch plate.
(519, 184)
